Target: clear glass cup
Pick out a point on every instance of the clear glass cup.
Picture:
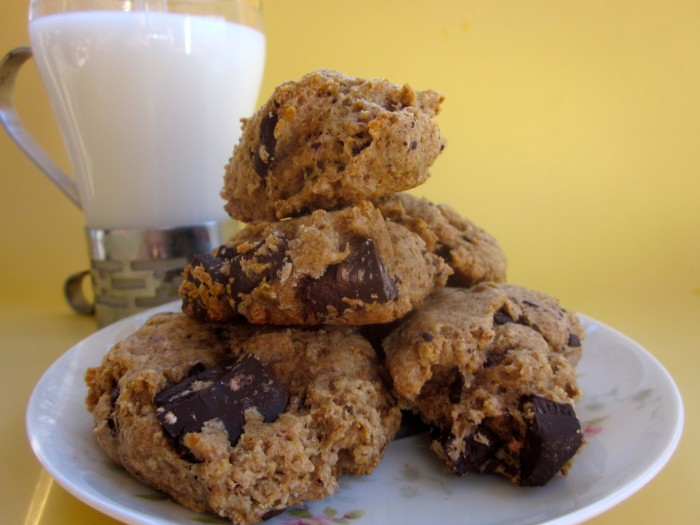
(148, 95)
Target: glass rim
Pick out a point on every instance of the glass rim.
(245, 12)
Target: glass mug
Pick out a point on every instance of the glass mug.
(148, 95)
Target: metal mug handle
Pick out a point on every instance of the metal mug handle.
(73, 292)
(9, 67)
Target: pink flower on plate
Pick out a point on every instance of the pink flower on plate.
(593, 427)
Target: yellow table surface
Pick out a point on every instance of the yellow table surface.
(573, 135)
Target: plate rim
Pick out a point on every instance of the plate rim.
(130, 516)
(618, 496)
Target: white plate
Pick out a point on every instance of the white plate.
(632, 414)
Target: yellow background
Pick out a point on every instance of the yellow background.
(573, 134)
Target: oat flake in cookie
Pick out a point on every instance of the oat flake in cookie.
(348, 266)
(303, 408)
(491, 370)
(330, 140)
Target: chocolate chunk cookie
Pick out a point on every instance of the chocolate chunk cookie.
(474, 254)
(491, 369)
(241, 421)
(348, 266)
(327, 141)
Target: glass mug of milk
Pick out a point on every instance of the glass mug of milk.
(149, 95)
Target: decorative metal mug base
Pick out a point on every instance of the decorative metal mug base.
(133, 269)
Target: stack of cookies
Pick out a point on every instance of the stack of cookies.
(341, 304)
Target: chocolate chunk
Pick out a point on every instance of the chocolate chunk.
(211, 265)
(111, 423)
(501, 317)
(212, 268)
(478, 451)
(362, 275)
(223, 392)
(195, 308)
(265, 154)
(574, 340)
(457, 383)
(363, 141)
(248, 269)
(553, 436)
(237, 272)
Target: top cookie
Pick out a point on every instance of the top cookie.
(328, 141)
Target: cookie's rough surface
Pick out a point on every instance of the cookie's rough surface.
(329, 140)
(349, 266)
(471, 362)
(474, 254)
(339, 416)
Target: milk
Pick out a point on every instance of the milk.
(149, 105)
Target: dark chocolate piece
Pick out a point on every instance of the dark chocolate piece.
(223, 392)
(574, 340)
(478, 451)
(248, 269)
(362, 275)
(454, 392)
(237, 272)
(194, 306)
(212, 266)
(363, 140)
(266, 150)
(553, 436)
(501, 318)
(111, 423)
